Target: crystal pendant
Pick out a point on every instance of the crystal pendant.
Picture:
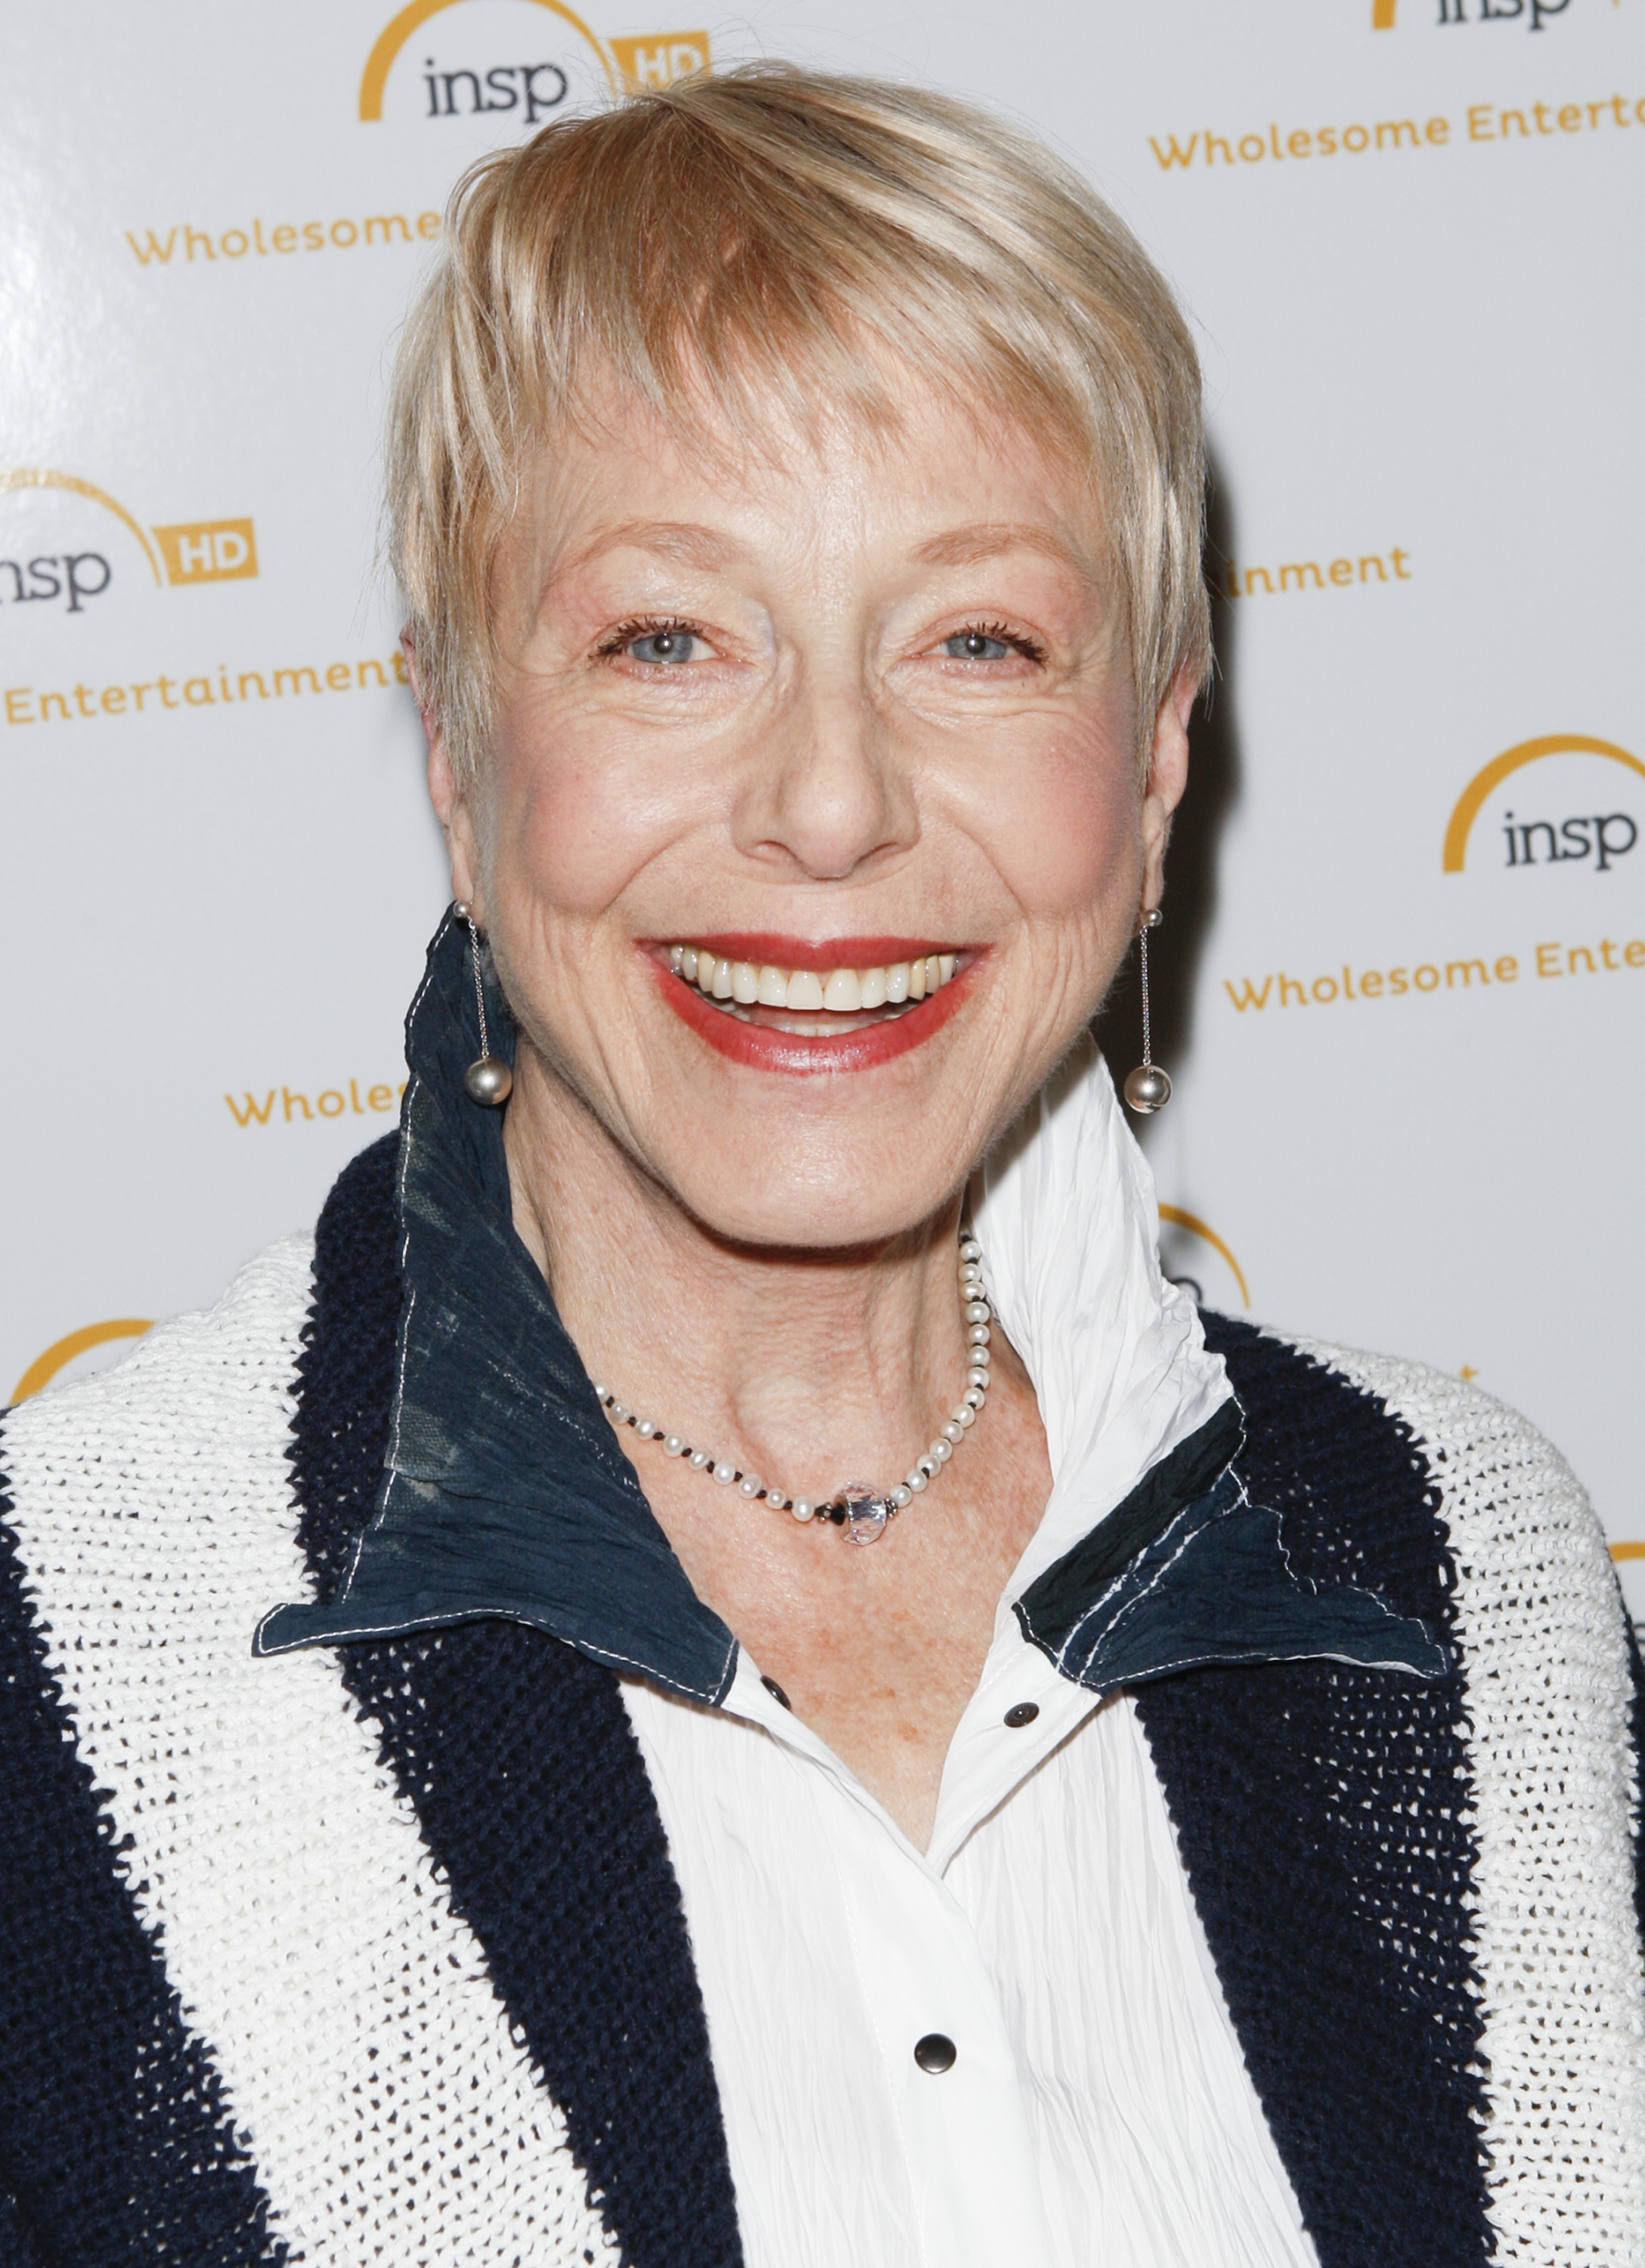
(866, 1513)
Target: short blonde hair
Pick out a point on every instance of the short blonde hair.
(763, 232)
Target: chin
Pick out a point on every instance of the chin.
(820, 1198)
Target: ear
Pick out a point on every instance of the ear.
(1168, 777)
(450, 799)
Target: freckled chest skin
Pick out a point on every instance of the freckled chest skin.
(896, 701)
(879, 1649)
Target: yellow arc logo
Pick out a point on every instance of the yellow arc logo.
(40, 476)
(1486, 781)
(1195, 1227)
(63, 1351)
(194, 550)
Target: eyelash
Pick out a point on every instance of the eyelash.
(1029, 647)
(646, 626)
(641, 626)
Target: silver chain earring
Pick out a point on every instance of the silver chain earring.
(487, 1079)
(1149, 1088)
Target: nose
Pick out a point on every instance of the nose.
(825, 792)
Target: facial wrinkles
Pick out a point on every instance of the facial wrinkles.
(615, 805)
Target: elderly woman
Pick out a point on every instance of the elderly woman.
(718, 1669)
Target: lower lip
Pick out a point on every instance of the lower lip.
(808, 1054)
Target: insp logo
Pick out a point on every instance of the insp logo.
(191, 550)
(1534, 14)
(534, 89)
(1543, 842)
(1604, 840)
(577, 66)
(63, 576)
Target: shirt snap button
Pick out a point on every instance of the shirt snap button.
(936, 2052)
(777, 1693)
(1024, 1712)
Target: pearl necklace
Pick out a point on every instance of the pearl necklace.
(854, 1506)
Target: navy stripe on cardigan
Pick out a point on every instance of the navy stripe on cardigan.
(1320, 1811)
(531, 1795)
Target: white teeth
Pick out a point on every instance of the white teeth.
(842, 992)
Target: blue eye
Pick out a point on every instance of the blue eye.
(976, 645)
(663, 646)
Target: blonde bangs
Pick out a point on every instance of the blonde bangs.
(778, 236)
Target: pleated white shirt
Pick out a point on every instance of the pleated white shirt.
(1098, 2113)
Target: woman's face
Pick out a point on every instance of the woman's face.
(858, 707)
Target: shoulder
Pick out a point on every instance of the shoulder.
(1408, 1475)
(1410, 1464)
(1507, 1498)
(184, 1377)
(164, 1493)
(198, 1382)
(152, 1495)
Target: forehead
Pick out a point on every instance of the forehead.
(944, 482)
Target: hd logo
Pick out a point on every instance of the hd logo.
(65, 543)
(208, 550)
(512, 64)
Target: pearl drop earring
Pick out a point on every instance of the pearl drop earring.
(487, 1079)
(1149, 1088)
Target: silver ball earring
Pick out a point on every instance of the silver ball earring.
(1149, 1088)
(487, 1079)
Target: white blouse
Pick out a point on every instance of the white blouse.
(1097, 2113)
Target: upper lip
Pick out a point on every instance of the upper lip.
(822, 955)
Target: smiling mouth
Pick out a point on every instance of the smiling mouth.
(812, 1003)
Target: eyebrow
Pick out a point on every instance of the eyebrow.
(970, 547)
(686, 541)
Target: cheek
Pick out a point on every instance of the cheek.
(573, 822)
(1062, 831)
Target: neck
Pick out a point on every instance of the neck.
(812, 1367)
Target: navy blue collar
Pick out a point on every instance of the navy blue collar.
(506, 1494)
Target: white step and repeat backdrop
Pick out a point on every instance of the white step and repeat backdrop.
(1404, 972)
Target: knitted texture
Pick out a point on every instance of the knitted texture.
(533, 1797)
(318, 1984)
(1549, 1669)
(118, 2171)
(1320, 1813)
(374, 1952)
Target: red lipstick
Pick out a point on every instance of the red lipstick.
(762, 1048)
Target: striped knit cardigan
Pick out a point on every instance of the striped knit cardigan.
(373, 1952)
